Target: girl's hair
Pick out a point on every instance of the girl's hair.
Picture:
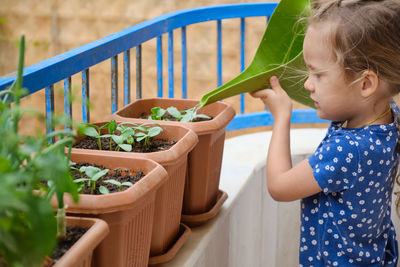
(365, 36)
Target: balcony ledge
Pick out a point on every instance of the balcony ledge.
(251, 228)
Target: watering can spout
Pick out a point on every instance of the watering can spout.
(278, 54)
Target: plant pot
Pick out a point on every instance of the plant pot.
(169, 197)
(80, 254)
(202, 182)
(129, 213)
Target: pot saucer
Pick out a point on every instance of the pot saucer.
(184, 233)
(200, 218)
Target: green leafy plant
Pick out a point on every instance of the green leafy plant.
(90, 175)
(28, 228)
(157, 113)
(115, 182)
(188, 115)
(127, 134)
(278, 54)
(144, 132)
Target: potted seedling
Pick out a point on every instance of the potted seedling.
(127, 207)
(138, 142)
(28, 227)
(202, 196)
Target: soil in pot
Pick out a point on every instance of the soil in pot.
(72, 236)
(155, 145)
(120, 175)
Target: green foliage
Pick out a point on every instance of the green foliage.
(188, 115)
(114, 182)
(124, 136)
(144, 132)
(90, 175)
(27, 222)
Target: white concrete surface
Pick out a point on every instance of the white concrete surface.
(251, 229)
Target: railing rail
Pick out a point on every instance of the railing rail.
(45, 74)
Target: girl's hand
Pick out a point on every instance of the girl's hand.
(275, 100)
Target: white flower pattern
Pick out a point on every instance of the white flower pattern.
(348, 223)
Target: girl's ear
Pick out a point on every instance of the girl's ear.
(369, 83)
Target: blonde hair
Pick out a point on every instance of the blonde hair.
(366, 36)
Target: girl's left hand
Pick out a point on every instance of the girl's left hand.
(275, 100)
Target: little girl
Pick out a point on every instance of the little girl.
(352, 51)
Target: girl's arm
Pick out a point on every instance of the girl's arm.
(285, 183)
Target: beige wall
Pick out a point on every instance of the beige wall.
(54, 26)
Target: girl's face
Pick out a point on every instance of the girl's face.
(334, 98)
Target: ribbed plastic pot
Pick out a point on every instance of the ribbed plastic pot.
(169, 197)
(129, 213)
(201, 198)
(80, 254)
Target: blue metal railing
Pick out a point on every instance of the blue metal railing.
(45, 74)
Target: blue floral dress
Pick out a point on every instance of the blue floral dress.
(348, 223)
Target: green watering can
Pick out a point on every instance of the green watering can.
(279, 53)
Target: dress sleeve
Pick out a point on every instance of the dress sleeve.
(335, 163)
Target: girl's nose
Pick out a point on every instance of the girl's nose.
(307, 84)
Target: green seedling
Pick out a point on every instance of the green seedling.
(92, 131)
(157, 113)
(127, 137)
(91, 175)
(111, 127)
(145, 133)
(114, 182)
(188, 115)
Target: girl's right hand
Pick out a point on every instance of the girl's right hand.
(275, 100)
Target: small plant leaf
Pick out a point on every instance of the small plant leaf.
(103, 190)
(188, 117)
(90, 131)
(140, 136)
(154, 131)
(127, 184)
(112, 181)
(119, 139)
(157, 113)
(126, 147)
(80, 180)
(100, 174)
(174, 112)
(112, 126)
(203, 116)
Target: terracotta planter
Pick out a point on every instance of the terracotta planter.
(129, 213)
(202, 197)
(80, 254)
(169, 197)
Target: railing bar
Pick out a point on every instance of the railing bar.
(50, 110)
(48, 72)
(171, 64)
(184, 63)
(219, 53)
(159, 67)
(242, 58)
(114, 84)
(139, 72)
(127, 77)
(67, 101)
(85, 96)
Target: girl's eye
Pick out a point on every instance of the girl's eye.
(317, 75)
